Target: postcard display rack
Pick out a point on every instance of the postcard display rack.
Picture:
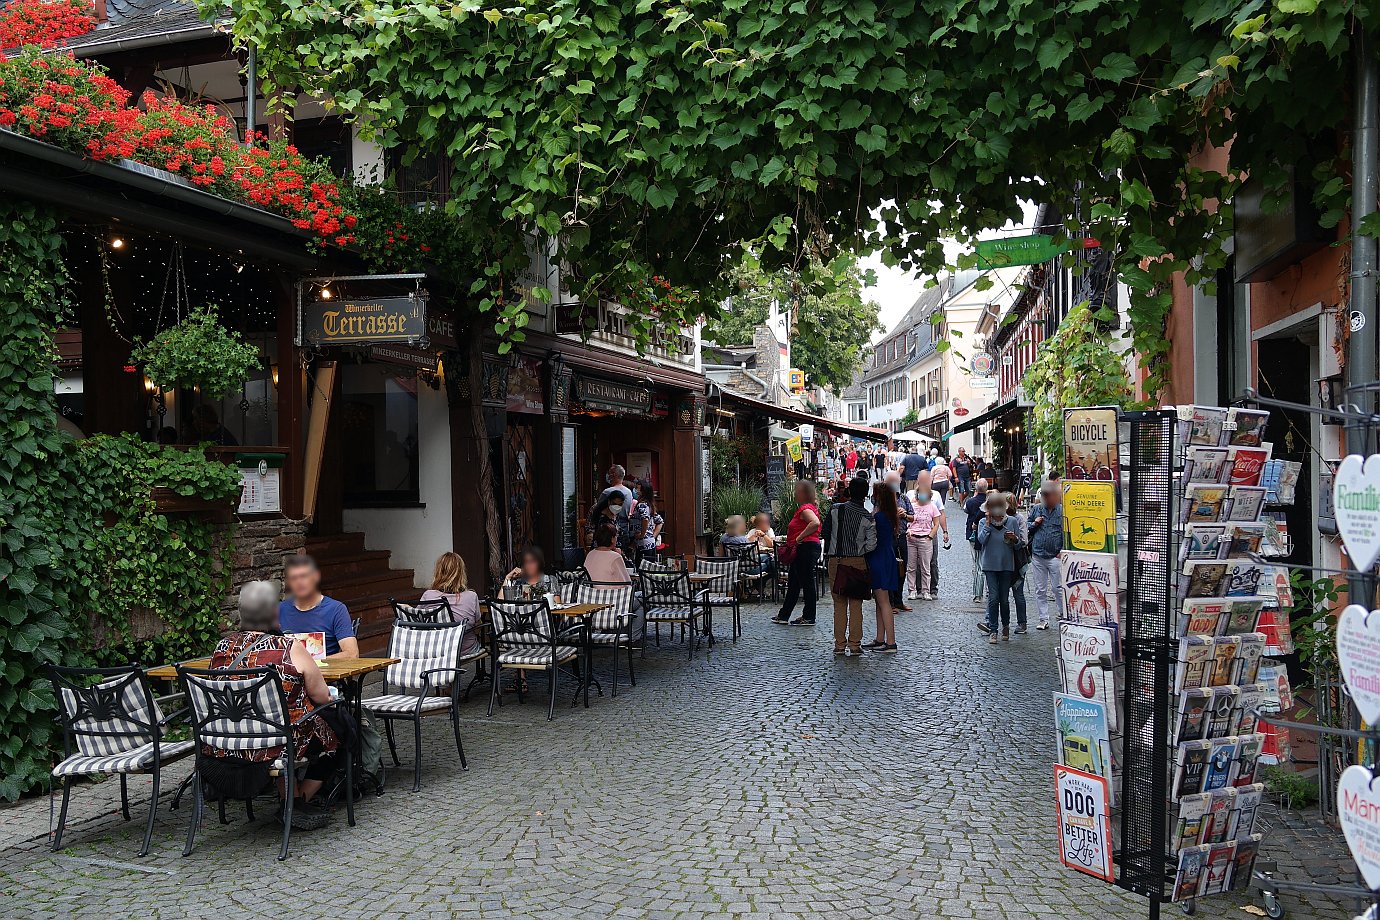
(1166, 686)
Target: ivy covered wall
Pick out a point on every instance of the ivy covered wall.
(42, 508)
(90, 572)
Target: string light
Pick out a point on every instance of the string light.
(326, 293)
(117, 242)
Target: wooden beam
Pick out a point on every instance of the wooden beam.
(291, 389)
(323, 393)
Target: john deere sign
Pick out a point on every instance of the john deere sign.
(364, 322)
(1020, 250)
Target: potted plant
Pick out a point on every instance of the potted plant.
(198, 352)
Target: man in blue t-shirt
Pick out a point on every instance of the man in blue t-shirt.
(911, 465)
(308, 610)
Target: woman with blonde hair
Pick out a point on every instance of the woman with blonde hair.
(450, 582)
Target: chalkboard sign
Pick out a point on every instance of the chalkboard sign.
(776, 475)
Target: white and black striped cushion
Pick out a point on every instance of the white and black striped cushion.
(663, 614)
(423, 649)
(536, 657)
(255, 707)
(712, 598)
(105, 716)
(618, 605)
(405, 704)
(133, 761)
(725, 572)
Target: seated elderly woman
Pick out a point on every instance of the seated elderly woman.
(259, 642)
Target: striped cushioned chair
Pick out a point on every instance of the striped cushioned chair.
(238, 710)
(111, 723)
(667, 598)
(522, 638)
(425, 682)
(722, 591)
(614, 627)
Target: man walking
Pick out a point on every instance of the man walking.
(973, 511)
(911, 465)
(1046, 519)
(963, 474)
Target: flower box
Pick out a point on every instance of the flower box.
(166, 501)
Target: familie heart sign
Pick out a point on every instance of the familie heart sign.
(1356, 498)
(1359, 808)
(1358, 651)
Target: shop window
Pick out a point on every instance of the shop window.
(378, 420)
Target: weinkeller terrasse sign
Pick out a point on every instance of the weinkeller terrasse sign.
(360, 322)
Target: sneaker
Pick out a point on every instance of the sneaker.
(932, 597)
(874, 646)
(1019, 630)
(992, 638)
(856, 652)
(1043, 624)
(912, 596)
(838, 653)
(977, 598)
(801, 621)
(983, 627)
(1006, 635)
(888, 650)
(780, 621)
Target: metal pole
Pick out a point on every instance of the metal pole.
(1361, 344)
(251, 95)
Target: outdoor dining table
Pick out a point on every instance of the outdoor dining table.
(349, 673)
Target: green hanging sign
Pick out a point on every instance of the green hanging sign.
(1020, 250)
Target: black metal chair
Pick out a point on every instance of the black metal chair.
(668, 598)
(429, 652)
(239, 710)
(781, 573)
(753, 575)
(432, 611)
(612, 627)
(523, 638)
(111, 723)
(722, 592)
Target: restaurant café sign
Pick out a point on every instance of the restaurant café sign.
(363, 322)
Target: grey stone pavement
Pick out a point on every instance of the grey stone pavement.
(763, 780)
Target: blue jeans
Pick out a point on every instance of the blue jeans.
(998, 598)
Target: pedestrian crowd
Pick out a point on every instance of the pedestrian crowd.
(882, 535)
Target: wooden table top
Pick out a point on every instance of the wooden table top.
(702, 578)
(333, 669)
(577, 610)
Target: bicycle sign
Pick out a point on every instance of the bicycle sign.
(1083, 812)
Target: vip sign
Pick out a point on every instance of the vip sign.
(1083, 812)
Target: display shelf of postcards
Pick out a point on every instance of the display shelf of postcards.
(1230, 621)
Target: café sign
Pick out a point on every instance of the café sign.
(618, 397)
(363, 322)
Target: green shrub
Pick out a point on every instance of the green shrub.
(727, 501)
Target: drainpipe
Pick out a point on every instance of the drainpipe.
(1361, 344)
(251, 94)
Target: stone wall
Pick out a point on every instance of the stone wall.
(260, 546)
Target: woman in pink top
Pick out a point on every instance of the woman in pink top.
(605, 562)
(920, 545)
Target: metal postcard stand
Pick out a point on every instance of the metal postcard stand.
(1150, 657)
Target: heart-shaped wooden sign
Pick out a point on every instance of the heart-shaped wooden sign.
(1356, 500)
(1358, 651)
(1359, 808)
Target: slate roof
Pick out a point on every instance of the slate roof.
(137, 19)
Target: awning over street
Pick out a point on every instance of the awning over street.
(996, 411)
(784, 414)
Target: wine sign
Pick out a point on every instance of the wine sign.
(1356, 497)
(1359, 809)
(1358, 652)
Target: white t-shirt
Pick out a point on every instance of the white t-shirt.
(935, 499)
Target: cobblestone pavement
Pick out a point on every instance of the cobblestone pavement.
(765, 780)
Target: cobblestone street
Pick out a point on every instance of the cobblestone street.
(766, 780)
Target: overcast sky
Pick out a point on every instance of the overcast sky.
(896, 290)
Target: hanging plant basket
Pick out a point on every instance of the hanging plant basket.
(198, 352)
